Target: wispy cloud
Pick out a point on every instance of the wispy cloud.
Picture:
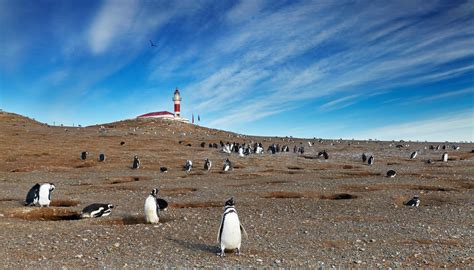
(114, 19)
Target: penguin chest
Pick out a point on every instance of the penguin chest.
(231, 236)
(43, 199)
(151, 214)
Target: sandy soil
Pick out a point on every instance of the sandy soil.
(299, 210)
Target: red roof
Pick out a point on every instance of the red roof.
(163, 113)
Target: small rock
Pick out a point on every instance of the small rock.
(358, 262)
(79, 256)
(259, 260)
(117, 245)
(277, 261)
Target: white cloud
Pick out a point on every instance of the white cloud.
(114, 19)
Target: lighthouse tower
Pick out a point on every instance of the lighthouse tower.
(177, 103)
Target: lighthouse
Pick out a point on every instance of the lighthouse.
(177, 103)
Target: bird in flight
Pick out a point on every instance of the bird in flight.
(152, 44)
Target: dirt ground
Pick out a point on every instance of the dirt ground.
(299, 210)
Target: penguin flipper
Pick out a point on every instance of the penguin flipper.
(242, 230)
(219, 233)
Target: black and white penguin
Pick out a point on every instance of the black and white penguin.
(153, 206)
(241, 151)
(444, 157)
(415, 201)
(230, 230)
(391, 173)
(207, 164)
(371, 160)
(364, 157)
(188, 166)
(163, 169)
(40, 195)
(136, 162)
(96, 210)
(227, 165)
(413, 155)
(101, 157)
(84, 155)
(323, 154)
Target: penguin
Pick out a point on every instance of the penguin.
(415, 201)
(188, 166)
(241, 152)
(207, 164)
(371, 160)
(429, 161)
(203, 144)
(45, 190)
(153, 206)
(84, 155)
(136, 162)
(391, 173)
(122, 143)
(96, 210)
(413, 155)
(32, 196)
(163, 169)
(364, 157)
(227, 165)
(230, 230)
(101, 157)
(323, 154)
(444, 157)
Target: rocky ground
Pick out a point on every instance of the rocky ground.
(298, 210)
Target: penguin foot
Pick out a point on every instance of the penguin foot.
(238, 252)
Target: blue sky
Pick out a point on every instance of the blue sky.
(331, 69)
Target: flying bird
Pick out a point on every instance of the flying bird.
(152, 44)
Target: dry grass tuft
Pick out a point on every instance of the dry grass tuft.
(45, 214)
(338, 196)
(283, 195)
(64, 203)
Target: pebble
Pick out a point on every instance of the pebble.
(79, 256)
(358, 262)
(259, 260)
(277, 261)
(117, 245)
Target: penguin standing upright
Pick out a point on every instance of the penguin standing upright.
(188, 166)
(364, 157)
(84, 155)
(153, 206)
(413, 155)
(207, 164)
(227, 165)
(444, 157)
(101, 157)
(241, 151)
(44, 194)
(230, 230)
(136, 162)
(371, 160)
(97, 210)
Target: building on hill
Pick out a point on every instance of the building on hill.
(167, 115)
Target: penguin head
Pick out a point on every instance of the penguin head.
(110, 206)
(230, 202)
(135, 157)
(51, 186)
(154, 192)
